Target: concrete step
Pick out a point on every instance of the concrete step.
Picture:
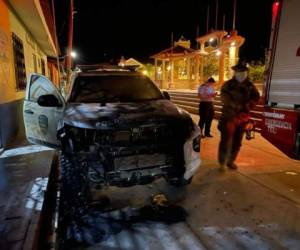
(190, 109)
(185, 98)
(187, 103)
(193, 100)
(191, 97)
(217, 106)
(190, 102)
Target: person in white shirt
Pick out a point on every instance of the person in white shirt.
(206, 93)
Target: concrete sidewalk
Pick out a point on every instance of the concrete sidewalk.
(24, 175)
(259, 161)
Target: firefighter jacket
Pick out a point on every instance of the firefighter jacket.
(238, 99)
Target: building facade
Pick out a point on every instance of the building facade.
(26, 43)
(181, 67)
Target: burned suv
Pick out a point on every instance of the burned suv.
(114, 128)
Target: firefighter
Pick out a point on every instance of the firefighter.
(206, 93)
(239, 96)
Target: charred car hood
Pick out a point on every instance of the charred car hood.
(96, 116)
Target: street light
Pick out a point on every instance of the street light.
(159, 70)
(73, 54)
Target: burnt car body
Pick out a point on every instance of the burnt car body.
(118, 123)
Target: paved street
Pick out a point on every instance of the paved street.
(24, 175)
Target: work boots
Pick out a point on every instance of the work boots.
(232, 165)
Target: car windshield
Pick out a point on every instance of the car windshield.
(114, 88)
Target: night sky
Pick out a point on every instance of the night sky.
(108, 29)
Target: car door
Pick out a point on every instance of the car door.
(41, 123)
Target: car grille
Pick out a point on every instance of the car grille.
(139, 161)
(134, 136)
(131, 148)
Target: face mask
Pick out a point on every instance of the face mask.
(241, 76)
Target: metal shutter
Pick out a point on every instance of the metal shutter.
(285, 81)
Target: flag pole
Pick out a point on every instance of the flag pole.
(234, 15)
(217, 7)
(207, 20)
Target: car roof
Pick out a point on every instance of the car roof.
(103, 69)
(108, 73)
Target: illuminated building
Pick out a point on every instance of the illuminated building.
(181, 67)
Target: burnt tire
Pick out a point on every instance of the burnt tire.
(74, 195)
(74, 184)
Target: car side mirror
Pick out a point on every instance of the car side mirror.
(49, 101)
(166, 95)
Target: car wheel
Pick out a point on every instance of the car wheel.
(74, 195)
(74, 184)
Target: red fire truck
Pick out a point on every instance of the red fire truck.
(281, 116)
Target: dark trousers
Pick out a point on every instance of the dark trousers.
(206, 113)
(232, 132)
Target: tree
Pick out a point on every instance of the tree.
(256, 71)
(211, 67)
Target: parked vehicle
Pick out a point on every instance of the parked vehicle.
(115, 128)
